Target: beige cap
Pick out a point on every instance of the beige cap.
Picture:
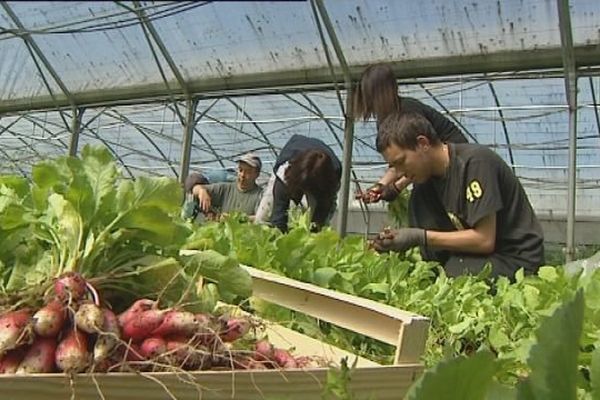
(252, 160)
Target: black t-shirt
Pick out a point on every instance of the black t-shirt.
(446, 130)
(478, 183)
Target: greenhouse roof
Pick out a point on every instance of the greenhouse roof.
(125, 74)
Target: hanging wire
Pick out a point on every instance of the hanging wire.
(109, 25)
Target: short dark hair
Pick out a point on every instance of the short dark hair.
(402, 130)
(376, 95)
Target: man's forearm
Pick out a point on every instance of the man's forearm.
(463, 241)
(390, 176)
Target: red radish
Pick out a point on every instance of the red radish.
(153, 347)
(108, 337)
(9, 363)
(136, 308)
(15, 329)
(49, 320)
(264, 350)
(70, 287)
(308, 362)
(234, 329)
(89, 318)
(72, 352)
(284, 359)
(133, 352)
(40, 357)
(207, 327)
(177, 323)
(255, 364)
(184, 354)
(143, 324)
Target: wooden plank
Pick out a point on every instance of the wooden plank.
(382, 383)
(411, 342)
(364, 316)
(285, 338)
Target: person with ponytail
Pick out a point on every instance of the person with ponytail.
(376, 96)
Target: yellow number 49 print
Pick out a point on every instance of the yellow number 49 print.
(474, 191)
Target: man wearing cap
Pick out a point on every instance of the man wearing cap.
(242, 195)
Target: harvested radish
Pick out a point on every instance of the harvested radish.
(143, 324)
(70, 287)
(284, 359)
(183, 354)
(9, 363)
(264, 350)
(234, 329)
(15, 329)
(72, 352)
(153, 347)
(177, 323)
(309, 362)
(133, 352)
(49, 320)
(40, 357)
(108, 337)
(136, 308)
(207, 327)
(89, 318)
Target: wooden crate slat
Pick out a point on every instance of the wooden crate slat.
(381, 383)
(360, 315)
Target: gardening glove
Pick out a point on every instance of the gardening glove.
(399, 240)
(389, 192)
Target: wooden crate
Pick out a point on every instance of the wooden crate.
(369, 380)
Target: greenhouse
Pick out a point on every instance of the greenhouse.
(169, 88)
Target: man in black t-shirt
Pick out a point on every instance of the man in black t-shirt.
(487, 216)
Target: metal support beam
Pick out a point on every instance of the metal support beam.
(568, 56)
(304, 79)
(161, 46)
(210, 147)
(188, 134)
(256, 126)
(504, 129)
(27, 38)
(449, 114)
(142, 130)
(76, 119)
(348, 120)
(595, 104)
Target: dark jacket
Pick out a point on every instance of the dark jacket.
(281, 198)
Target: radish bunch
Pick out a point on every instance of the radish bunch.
(57, 337)
(73, 334)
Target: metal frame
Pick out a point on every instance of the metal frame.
(568, 56)
(348, 114)
(313, 78)
(503, 122)
(594, 103)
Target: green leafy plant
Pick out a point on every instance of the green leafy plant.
(552, 362)
(81, 215)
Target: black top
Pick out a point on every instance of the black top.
(446, 130)
(281, 199)
(478, 183)
(298, 144)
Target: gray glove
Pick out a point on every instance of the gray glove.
(399, 240)
(389, 192)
